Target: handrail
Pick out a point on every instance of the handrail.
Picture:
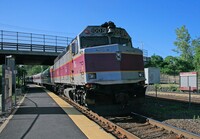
(19, 41)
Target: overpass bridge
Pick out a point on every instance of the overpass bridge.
(30, 48)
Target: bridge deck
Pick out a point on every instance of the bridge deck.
(26, 47)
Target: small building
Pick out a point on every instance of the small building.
(152, 75)
(188, 81)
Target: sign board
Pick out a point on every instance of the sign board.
(8, 83)
(188, 79)
(6, 89)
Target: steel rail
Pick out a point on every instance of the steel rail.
(104, 123)
(181, 133)
(122, 133)
(195, 101)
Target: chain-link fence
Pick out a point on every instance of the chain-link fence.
(163, 88)
(168, 79)
(19, 95)
(16, 98)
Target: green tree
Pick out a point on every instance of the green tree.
(155, 61)
(34, 69)
(21, 72)
(196, 45)
(183, 43)
(168, 65)
(174, 65)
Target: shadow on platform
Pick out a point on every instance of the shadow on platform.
(40, 110)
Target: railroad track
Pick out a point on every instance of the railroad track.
(131, 128)
(195, 102)
(146, 128)
(181, 97)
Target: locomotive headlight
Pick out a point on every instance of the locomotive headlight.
(92, 76)
(141, 74)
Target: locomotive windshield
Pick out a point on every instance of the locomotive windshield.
(91, 41)
(104, 35)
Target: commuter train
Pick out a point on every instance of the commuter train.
(99, 65)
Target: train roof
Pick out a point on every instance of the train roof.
(104, 31)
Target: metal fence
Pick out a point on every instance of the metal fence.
(20, 41)
(169, 79)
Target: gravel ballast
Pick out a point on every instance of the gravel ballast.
(191, 125)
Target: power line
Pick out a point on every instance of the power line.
(34, 29)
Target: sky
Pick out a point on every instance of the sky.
(150, 23)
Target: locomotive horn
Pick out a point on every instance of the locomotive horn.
(105, 24)
(110, 27)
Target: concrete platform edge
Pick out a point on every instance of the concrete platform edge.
(88, 127)
(11, 115)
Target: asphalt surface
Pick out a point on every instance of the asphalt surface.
(39, 117)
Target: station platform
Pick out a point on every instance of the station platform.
(44, 115)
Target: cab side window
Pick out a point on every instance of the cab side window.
(74, 47)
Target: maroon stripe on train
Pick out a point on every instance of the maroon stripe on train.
(109, 62)
(132, 62)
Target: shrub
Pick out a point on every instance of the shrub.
(173, 88)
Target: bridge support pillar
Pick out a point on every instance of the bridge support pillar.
(10, 65)
(8, 79)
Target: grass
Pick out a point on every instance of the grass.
(164, 87)
(169, 85)
(163, 110)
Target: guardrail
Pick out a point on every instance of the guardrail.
(20, 41)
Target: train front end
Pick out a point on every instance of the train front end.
(114, 70)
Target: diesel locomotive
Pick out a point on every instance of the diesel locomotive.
(99, 65)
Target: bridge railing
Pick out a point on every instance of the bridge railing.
(20, 41)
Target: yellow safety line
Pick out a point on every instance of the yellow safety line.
(88, 127)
